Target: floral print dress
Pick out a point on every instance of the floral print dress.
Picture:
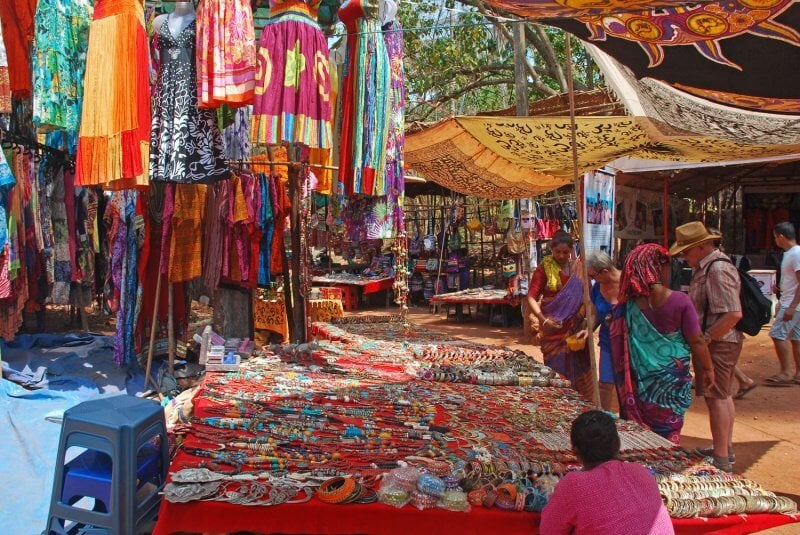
(185, 142)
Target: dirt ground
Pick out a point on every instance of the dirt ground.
(766, 435)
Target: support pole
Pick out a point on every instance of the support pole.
(665, 216)
(170, 329)
(520, 68)
(298, 299)
(147, 378)
(587, 302)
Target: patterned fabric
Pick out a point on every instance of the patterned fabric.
(271, 316)
(114, 143)
(723, 284)
(16, 17)
(185, 143)
(553, 273)
(395, 141)
(237, 136)
(325, 309)
(574, 365)
(643, 267)
(5, 81)
(292, 93)
(652, 374)
(186, 261)
(59, 60)
(226, 53)
(365, 100)
(62, 257)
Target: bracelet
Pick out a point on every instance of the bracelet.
(336, 490)
(431, 485)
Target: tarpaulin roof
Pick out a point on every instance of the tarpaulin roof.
(742, 53)
(512, 157)
(547, 9)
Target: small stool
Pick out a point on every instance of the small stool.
(331, 292)
(119, 434)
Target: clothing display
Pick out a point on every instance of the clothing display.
(61, 39)
(292, 92)
(185, 142)
(395, 140)
(113, 148)
(365, 108)
(18, 29)
(226, 53)
(5, 82)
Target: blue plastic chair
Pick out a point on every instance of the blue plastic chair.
(120, 435)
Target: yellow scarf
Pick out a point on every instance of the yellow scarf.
(553, 272)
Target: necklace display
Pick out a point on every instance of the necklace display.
(330, 419)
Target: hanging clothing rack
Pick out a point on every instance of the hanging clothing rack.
(286, 164)
(15, 139)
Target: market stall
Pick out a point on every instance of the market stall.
(285, 443)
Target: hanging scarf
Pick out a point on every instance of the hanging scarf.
(553, 272)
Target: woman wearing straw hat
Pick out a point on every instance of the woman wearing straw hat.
(718, 316)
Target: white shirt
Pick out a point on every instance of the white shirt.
(789, 266)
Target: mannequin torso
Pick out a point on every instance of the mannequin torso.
(180, 18)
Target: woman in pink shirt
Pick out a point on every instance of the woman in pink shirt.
(607, 496)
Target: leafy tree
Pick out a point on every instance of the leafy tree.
(460, 59)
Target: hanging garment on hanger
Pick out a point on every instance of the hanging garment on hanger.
(292, 91)
(114, 143)
(226, 53)
(185, 142)
(395, 140)
(61, 38)
(365, 99)
(5, 82)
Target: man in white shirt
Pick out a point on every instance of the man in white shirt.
(786, 326)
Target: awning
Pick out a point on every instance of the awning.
(512, 157)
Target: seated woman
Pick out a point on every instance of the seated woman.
(561, 313)
(607, 496)
(654, 331)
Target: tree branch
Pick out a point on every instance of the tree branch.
(462, 90)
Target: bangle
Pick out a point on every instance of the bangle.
(336, 489)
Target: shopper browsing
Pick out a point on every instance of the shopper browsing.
(785, 331)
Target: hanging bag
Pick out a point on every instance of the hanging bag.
(515, 241)
(429, 240)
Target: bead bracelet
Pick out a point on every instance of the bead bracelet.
(336, 489)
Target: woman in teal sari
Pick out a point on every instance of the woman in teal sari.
(654, 333)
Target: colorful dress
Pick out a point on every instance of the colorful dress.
(59, 60)
(185, 142)
(563, 303)
(293, 91)
(114, 143)
(226, 53)
(653, 379)
(5, 82)
(365, 100)
(395, 141)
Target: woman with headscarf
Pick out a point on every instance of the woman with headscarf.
(561, 313)
(654, 332)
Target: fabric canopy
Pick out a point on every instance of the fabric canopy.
(742, 53)
(546, 9)
(512, 157)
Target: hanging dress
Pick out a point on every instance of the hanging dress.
(226, 53)
(185, 142)
(293, 93)
(5, 81)
(366, 100)
(114, 143)
(59, 60)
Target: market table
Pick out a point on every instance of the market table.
(359, 285)
(496, 299)
(377, 370)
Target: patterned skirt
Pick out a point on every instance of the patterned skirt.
(114, 142)
(226, 53)
(293, 91)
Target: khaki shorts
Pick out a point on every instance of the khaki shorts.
(724, 356)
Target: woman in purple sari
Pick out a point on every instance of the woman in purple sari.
(561, 313)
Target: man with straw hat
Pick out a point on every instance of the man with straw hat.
(714, 290)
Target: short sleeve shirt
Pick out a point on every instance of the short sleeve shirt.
(720, 288)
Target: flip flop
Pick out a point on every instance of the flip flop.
(744, 390)
(779, 380)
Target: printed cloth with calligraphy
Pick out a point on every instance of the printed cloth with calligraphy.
(270, 316)
(294, 425)
(512, 157)
(324, 310)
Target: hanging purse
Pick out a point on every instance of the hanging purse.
(454, 241)
(432, 264)
(429, 240)
(515, 241)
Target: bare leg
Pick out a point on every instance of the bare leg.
(796, 353)
(721, 415)
(783, 349)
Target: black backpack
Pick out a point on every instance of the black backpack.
(756, 308)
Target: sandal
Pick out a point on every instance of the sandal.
(745, 390)
(779, 380)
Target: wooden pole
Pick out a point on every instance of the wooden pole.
(586, 299)
(520, 68)
(665, 216)
(147, 377)
(298, 299)
(170, 329)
